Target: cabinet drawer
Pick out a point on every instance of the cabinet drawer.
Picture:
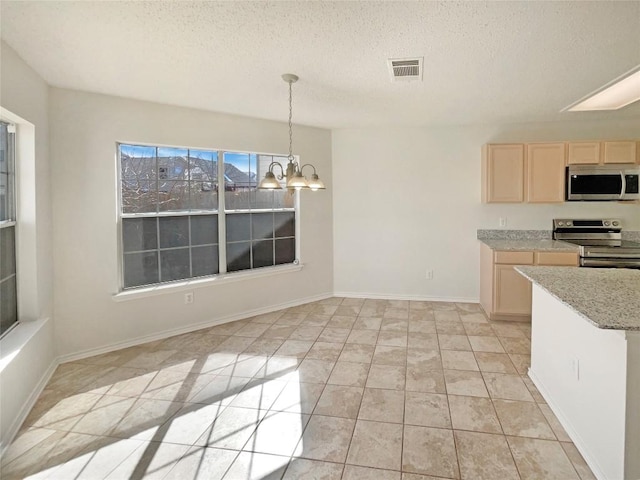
(557, 258)
(514, 258)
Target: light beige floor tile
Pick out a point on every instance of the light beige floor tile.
(353, 302)
(457, 360)
(281, 332)
(278, 433)
(396, 313)
(364, 337)
(26, 440)
(329, 351)
(446, 315)
(427, 410)
(353, 352)
(306, 333)
(392, 339)
(298, 397)
(232, 428)
(367, 323)
(158, 458)
(505, 330)
(459, 382)
(174, 385)
(537, 459)
(422, 315)
(279, 368)
(419, 380)
(424, 358)
(555, 425)
(391, 377)
(32, 461)
(334, 335)
(468, 307)
(226, 328)
(259, 394)
(423, 340)
(300, 468)
(516, 345)
(257, 466)
(314, 371)
(339, 401)
(189, 423)
(485, 344)
(482, 455)
(340, 321)
(382, 405)
(105, 415)
(220, 389)
(453, 342)
(352, 472)
(372, 311)
(415, 476)
(202, 463)
(324, 309)
(376, 444)
(450, 328)
(235, 344)
(429, 451)
(495, 362)
(291, 318)
(64, 413)
(294, 348)
(473, 413)
(326, 438)
(252, 330)
(522, 419)
(478, 329)
(330, 301)
(268, 318)
(144, 418)
(420, 305)
(506, 387)
(522, 362)
(537, 396)
(316, 320)
(348, 310)
(351, 374)
(422, 326)
(395, 325)
(264, 346)
(386, 355)
(584, 472)
(473, 318)
(244, 366)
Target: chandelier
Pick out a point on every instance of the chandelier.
(293, 172)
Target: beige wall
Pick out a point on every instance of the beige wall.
(408, 199)
(84, 130)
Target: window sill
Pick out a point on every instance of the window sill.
(221, 279)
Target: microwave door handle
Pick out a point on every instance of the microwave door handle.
(624, 184)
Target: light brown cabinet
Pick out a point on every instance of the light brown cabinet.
(504, 293)
(545, 172)
(503, 173)
(598, 153)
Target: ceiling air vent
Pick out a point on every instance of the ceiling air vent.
(405, 69)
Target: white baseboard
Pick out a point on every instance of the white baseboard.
(187, 329)
(415, 298)
(564, 421)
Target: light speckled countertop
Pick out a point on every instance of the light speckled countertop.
(530, 244)
(606, 297)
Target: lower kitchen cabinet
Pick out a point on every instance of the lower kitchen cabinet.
(504, 293)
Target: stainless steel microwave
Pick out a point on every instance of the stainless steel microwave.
(603, 182)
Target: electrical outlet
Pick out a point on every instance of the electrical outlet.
(188, 298)
(429, 275)
(502, 221)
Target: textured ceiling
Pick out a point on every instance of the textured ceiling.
(484, 62)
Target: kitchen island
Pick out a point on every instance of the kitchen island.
(585, 360)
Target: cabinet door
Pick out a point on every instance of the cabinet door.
(512, 293)
(619, 152)
(583, 153)
(545, 172)
(503, 172)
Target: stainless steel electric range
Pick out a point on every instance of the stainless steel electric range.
(600, 242)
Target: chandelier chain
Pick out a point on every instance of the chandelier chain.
(290, 123)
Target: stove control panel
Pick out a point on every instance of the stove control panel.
(595, 224)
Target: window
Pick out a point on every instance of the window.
(8, 291)
(176, 226)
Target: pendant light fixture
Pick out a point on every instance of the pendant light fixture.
(293, 172)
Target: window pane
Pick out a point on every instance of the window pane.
(238, 256)
(139, 179)
(173, 195)
(7, 252)
(204, 260)
(139, 234)
(285, 250)
(240, 179)
(172, 164)
(238, 227)
(140, 269)
(204, 229)
(262, 253)
(262, 225)
(174, 232)
(203, 175)
(285, 224)
(174, 264)
(8, 304)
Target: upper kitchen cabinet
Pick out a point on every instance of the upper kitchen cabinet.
(503, 173)
(619, 152)
(545, 172)
(583, 153)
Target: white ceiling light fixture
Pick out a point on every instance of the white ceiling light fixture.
(405, 69)
(293, 173)
(617, 94)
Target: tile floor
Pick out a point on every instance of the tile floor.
(337, 389)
